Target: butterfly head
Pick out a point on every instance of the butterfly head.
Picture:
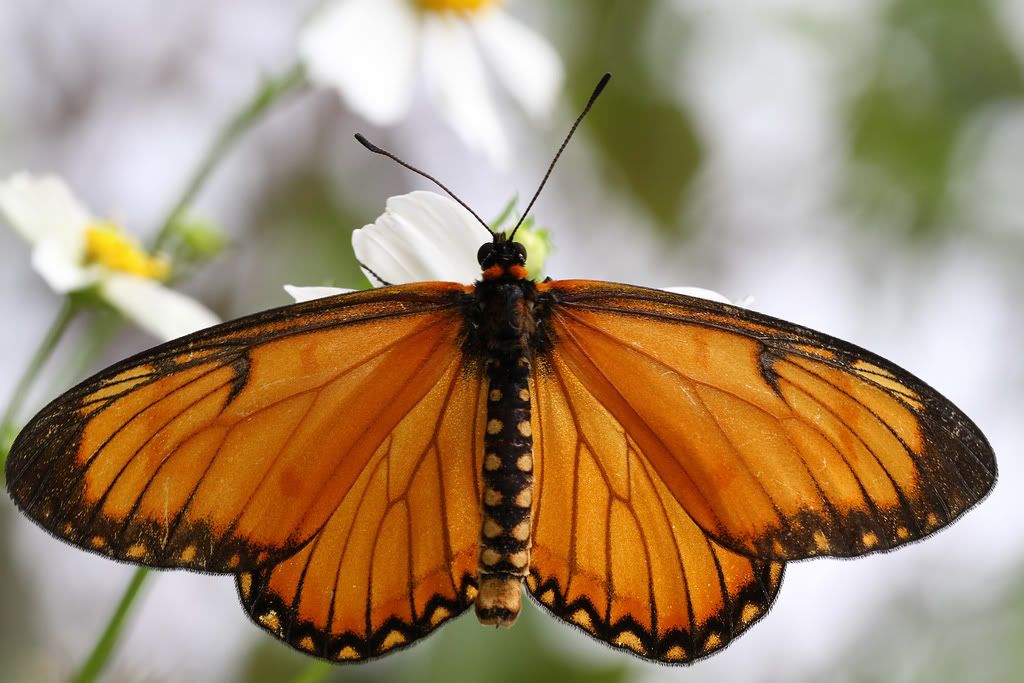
(502, 259)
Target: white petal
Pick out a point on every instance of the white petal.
(457, 82)
(161, 311)
(524, 60)
(301, 294)
(42, 208)
(51, 260)
(366, 50)
(709, 294)
(421, 236)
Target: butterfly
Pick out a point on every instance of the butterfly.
(371, 465)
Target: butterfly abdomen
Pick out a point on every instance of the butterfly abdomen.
(504, 560)
(508, 490)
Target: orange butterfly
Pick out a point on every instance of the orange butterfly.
(372, 464)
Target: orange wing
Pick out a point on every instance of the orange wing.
(614, 552)
(398, 556)
(779, 442)
(229, 449)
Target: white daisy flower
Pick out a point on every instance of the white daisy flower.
(72, 250)
(424, 236)
(371, 52)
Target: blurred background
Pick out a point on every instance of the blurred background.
(856, 166)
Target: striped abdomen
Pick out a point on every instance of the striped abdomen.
(508, 490)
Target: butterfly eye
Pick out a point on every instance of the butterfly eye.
(520, 252)
(485, 252)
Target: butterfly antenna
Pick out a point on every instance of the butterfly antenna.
(590, 103)
(383, 152)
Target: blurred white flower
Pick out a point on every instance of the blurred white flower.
(424, 236)
(371, 50)
(72, 250)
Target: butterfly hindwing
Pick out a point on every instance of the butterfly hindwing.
(228, 449)
(779, 442)
(613, 551)
(398, 557)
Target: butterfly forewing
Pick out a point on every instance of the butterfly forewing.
(779, 442)
(229, 449)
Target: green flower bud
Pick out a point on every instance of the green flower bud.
(199, 240)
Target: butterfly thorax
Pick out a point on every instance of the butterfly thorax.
(502, 326)
(501, 310)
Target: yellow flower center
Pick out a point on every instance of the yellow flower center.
(453, 5)
(109, 247)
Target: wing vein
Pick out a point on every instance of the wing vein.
(645, 468)
(99, 449)
(918, 468)
(366, 428)
(101, 501)
(640, 418)
(156, 471)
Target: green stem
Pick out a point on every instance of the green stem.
(105, 646)
(8, 423)
(315, 672)
(270, 93)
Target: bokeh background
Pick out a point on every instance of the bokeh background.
(856, 166)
